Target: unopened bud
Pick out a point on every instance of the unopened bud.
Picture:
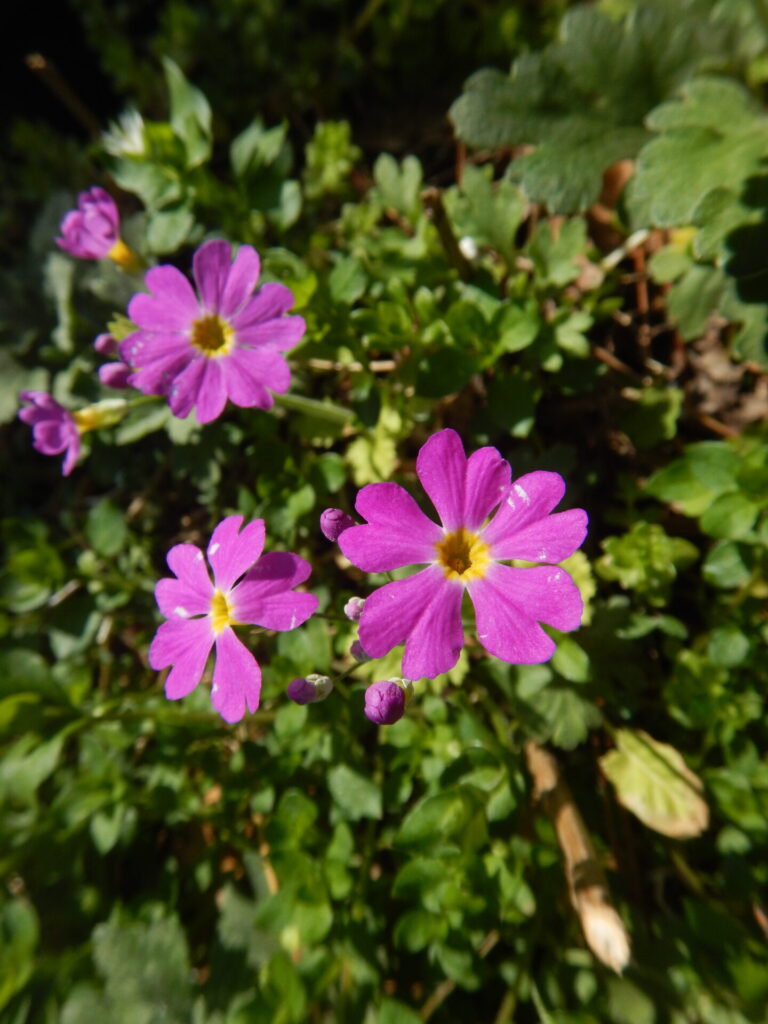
(358, 652)
(333, 522)
(353, 609)
(309, 690)
(385, 702)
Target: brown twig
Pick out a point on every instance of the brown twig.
(432, 202)
(48, 73)
(587, 886)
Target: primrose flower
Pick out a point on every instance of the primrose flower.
(92, 231)
(248, 588)
(222, 343)
(465, 554)
(54, 429)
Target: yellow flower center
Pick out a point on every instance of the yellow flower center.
(463, 555)
(212, 335)
(221, 612)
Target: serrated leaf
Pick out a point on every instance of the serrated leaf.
(582, 100)
(565, 718)
(653, 781)
(713, 133)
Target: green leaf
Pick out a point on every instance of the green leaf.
(554, 251)
(583, 99)
(730, 517)
(17, 378)
(19, 935)
(347, 281)
(146, 970)
(399, 185)
(727, 646)
(571, 661)
(725, 566)
(169, 228)
(106, 528)
(653, 781)
(645, 559)
(437, 819)
(653, 416)
(355, 795)
(713, 133)
(392, 1011)
(190, 114)
(487, 212)
(257, 147)
(562, 717)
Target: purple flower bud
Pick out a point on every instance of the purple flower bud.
(357, 651)
(54, 429)
(384, 702)
(92, 230)
(310, 690)
(105, 345)
(353, 609)
(333, 522)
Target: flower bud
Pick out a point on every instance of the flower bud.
(353, 609)
(310, 690)
(385, 702)
(358, 652)
(333, 522)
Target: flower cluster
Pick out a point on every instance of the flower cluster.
(224, 341)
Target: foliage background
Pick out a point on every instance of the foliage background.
(305, 866)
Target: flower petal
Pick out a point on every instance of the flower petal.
(157, 359)
(550, 539)
(232, 552)
(236, 678)
(441, 468)
(398, 533)
(185, 644)
(270, 302)
(529, 499)
(210, 267)
(486, 483)
(266, 598)
(509, 604)
(424, 611)
(241, 280)
(281, 334)
(172, 306)
(212, 392)
(248, 373)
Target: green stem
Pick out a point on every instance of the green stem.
(311, 407)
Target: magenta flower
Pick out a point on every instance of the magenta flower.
(310, 689)
(246, 588)
(463, 554)
(54, 429)
(221, 343)
(92, 230)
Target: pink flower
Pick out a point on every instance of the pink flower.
(221, 343)
(92, 230)
(54, 429)
(463, 554)
(201, 613)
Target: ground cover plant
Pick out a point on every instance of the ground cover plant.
(383, 604)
